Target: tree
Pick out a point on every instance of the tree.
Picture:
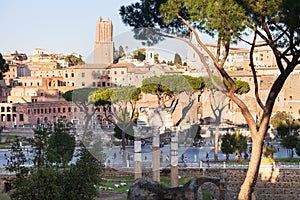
(271, 21)
(73, 60)
(47, 180)
(121, 51)
(290, 142)
(4, 67)
(139, 54)
(284, 123)
(227, 146)
(298, 148)
(177, 59)
(268, 151)
(61, 145)
(233, 143)
(81, 98)
(119, 106)
(168, 87)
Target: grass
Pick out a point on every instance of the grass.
(112, 185)
(163, 180)
(4, 197)
(289, 160)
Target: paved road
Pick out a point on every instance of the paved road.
(192, 154)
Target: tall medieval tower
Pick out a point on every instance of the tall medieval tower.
(103, 47)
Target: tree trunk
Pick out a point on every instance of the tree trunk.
(248, 185)
(123, 148)
(216, 143)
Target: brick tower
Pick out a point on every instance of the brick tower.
(103, 47)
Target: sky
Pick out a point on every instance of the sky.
(60, 26)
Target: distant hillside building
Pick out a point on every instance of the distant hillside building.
(103, 47)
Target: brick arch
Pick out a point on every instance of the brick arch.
(196, 183)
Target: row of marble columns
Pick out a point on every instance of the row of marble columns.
(138, 134)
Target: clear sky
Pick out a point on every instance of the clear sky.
(57, 26)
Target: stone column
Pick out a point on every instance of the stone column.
(174, 157)
(155, 155)
(137, 153)
(223, 186)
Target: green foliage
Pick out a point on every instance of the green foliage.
(233, 143)
(289, 141)
(195, 131)
(61, 145)
(47, 180)
(228, 142)
(73, 60)
(79, 95)
(3, 66)
(298, 148)
(167, 84)
(121, 51)
(126, 94)
(280, 118)
(283, 122)
(177, 59)
(241, 87)
(268, 152)
(102, 97)
(240, 142)
(139, 54)
(197, 83)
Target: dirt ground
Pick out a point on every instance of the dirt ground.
(111, 196)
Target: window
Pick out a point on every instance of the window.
(58, 110)
(103, 84)
(72, 75)
(21, 117)
(122, 72)
(108, 84)
(64, 110)
(28, 111)
(42, 94)
(82, 74)
(46, 110)
(34, 111)
(75, 109)
(54, 110)
(42, 111)
(83, 84)
(115, 72)
(94, 84)
(2, 109)
(8, 117)
(38, 83)
(66, 75)
(69, 109)
(7, 109)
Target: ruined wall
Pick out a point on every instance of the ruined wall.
(272, 183)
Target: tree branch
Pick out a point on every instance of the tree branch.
(254, 73)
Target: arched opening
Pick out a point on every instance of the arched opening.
(208, 190)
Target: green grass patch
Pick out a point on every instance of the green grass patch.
(5, 145)
(205, 195)
(237, 161)
(9, 137)
(288, 160)
(114, 189)
(4, 197)
(129, 178)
